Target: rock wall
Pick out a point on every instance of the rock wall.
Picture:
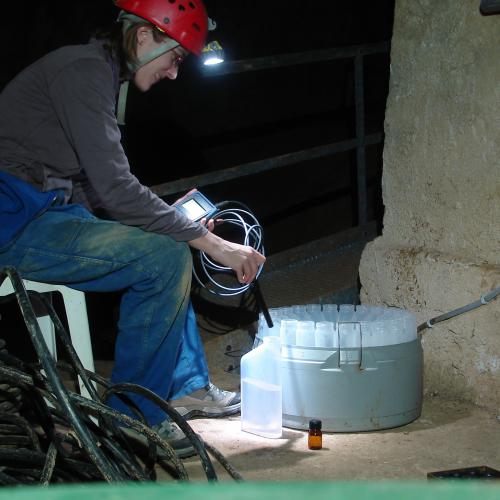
(440, 246)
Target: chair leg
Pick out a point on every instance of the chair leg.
(78, 325)
(48, 332)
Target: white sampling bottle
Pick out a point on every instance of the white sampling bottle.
(261, 405)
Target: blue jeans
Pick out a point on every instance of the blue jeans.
(158, 344)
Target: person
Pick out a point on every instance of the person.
(61, 161)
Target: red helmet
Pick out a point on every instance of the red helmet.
(185, 21)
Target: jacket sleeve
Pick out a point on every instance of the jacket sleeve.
(84, 100)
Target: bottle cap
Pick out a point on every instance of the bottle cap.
(315, 424)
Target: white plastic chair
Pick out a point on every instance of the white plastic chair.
(76, 313)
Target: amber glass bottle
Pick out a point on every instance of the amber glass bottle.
(315, 438)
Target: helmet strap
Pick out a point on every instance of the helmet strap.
(122, 103)
(128, 20)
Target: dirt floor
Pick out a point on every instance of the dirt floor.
(448, 435)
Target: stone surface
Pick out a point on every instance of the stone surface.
(440, 247)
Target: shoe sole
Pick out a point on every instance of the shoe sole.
(189, 414)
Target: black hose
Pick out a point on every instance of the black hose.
(50, 463)
(102, 463)
(25, 426)
(152, 456)
(178, 419)
(8, 480)
(135, 425)
(125, 461)
(68, 345)
(14, 375)
(50, 408)
(78, 367)
(222, 460)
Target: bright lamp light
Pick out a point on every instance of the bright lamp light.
(212, 53)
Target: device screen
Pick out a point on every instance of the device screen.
(193, 209)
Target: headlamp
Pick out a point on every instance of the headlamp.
(212, 53)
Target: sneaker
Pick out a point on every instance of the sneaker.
(210, 402)
(171, 433)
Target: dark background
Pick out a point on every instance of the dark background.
(199, 124)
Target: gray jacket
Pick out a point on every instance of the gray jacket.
(58, 130)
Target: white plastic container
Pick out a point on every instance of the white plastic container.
(305, 333)
(261, 400)
(288, 331)
(324, 334)
(366, 376)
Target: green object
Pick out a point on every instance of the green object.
(442, 490)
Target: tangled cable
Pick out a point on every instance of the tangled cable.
(238, 224)
(49, 434)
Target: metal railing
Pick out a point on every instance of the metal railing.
(358, 143)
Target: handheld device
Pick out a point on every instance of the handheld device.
(196, 206)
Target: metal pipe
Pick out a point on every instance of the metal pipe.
(360, 137)
(483, 300)
(296, 58)
(256, 167)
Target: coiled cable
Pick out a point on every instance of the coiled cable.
(72, 445)
(237, 220)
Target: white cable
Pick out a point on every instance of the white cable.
(253, 237)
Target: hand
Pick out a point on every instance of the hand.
(211, 223)
(245, 261)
